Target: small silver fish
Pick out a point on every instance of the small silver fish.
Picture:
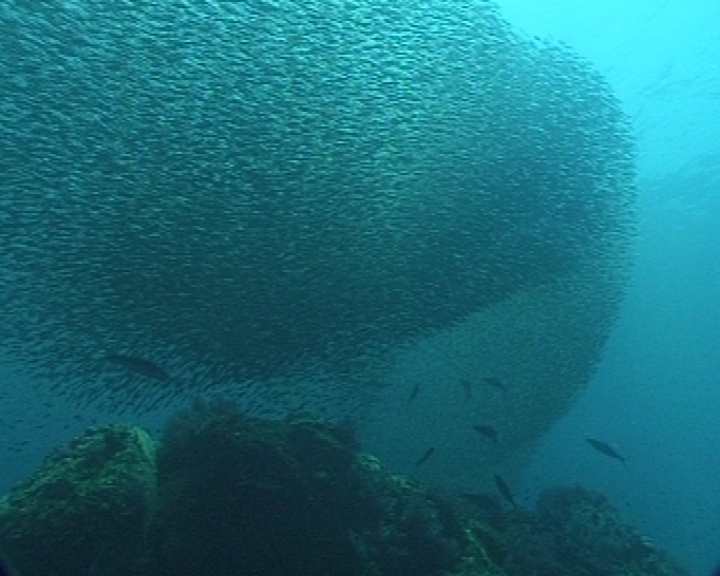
(425, 457)
(605, 448)
(488, 431)
(495, 382)
(414, 392)
(504, 490)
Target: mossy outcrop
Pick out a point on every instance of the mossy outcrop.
(228, 495)
(89, 504)
(240, 496)
(573, 531)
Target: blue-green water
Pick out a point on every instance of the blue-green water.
(657, 390)
(368, 134)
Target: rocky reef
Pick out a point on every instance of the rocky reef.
(91, 500)
(224, 494)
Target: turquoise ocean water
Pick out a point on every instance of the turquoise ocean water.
(656, 393)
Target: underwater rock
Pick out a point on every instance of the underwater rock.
(237, 495)
(577, 531)
(243, 496)
(86, 509)
(247, 191)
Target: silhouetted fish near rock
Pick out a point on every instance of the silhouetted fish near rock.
(495, 383)
(140, 366)
(504, 490)
(488, 431)
(605, 448)
(425, 457)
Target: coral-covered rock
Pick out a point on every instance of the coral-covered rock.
(244, 496)
(575, 531)
(227, 495)
(87, 508)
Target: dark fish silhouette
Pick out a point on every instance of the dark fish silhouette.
(140, 366)
(495, 382)
(425, 457)
(488, 431)
(605, 448)
(504, 490)
(414, 392)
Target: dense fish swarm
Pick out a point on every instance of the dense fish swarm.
(239, 190)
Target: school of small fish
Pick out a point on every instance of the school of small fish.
(185, 184)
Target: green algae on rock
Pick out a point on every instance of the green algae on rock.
(574, 531)
(228, 495)
(289, 497)
(89, 504)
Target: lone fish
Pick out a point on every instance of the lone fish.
(425, 457)
(504, 490)
(495, 382)
(605, 448)
(488, 431)
(140, 366)
(414, 392)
